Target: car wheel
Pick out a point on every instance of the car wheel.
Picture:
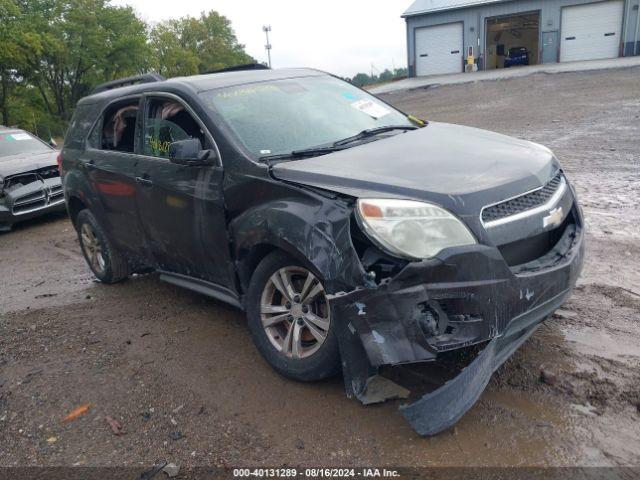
(290, 320)
(106, 263)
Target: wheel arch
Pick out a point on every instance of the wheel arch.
(74, 206)
(314, 231)
(79, 195)
(252, 257)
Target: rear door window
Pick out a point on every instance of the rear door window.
(117, 130)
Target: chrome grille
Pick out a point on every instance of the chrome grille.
(55, 192)
(28, 203)
(523, 202)
(47, 191)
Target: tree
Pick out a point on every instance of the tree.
(361, 79)
(400, 73)
(54, 52)
(196, 45)
(386, 76)
(171, 57)
(82, 43)
(15, 40)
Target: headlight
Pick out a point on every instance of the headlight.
(411, 229)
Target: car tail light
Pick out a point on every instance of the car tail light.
(59, 160)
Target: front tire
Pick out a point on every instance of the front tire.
(106, 263)
(290, 320)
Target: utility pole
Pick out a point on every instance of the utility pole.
(266, 29)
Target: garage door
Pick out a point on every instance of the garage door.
(439, 49)
(591, 31)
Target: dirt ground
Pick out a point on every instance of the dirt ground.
(179, 372)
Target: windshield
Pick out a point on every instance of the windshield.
(278, 117)
(18, 143)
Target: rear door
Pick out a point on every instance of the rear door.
(439, 49)
(181, 207)
(110, 161)
(591, 31)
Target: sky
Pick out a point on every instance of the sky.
(343, 37)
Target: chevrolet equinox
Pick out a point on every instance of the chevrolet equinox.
(354, 236)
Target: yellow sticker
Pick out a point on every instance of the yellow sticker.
(175, 202)
(159, 145)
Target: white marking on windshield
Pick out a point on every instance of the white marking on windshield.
(371, 108)
(20, 136)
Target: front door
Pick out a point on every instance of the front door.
(181, 207)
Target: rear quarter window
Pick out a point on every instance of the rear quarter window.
(81, 122)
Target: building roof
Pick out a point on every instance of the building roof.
(422, 7)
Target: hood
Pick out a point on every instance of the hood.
(22, 163)
(461, 168)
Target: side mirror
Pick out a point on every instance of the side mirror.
(53, 143)
(189, 152)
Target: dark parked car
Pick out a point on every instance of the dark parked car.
(354, 236)
(516, 56)
(29, 178)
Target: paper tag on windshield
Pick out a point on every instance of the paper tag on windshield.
(20, 136)
(372, 109)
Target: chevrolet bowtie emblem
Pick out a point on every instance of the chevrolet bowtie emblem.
(554, 218)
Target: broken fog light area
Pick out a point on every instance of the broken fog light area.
(446, 330)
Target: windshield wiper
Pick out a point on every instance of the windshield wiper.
(307, 152)
(371, 132)
(339, 145)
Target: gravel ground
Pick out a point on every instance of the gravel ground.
(178, 371)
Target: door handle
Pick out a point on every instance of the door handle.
(144, 181)
(90, 165)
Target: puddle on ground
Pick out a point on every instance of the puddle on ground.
(601, 343)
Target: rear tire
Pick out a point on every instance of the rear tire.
(290, 321)
(104, 260)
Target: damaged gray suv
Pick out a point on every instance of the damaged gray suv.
(352, 235)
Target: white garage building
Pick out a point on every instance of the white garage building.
(442, 34)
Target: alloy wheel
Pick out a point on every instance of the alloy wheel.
(295, 312)
(92, 248)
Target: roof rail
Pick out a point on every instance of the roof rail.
(240, 68)
(123, 82)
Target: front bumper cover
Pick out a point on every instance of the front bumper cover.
(465, 296)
